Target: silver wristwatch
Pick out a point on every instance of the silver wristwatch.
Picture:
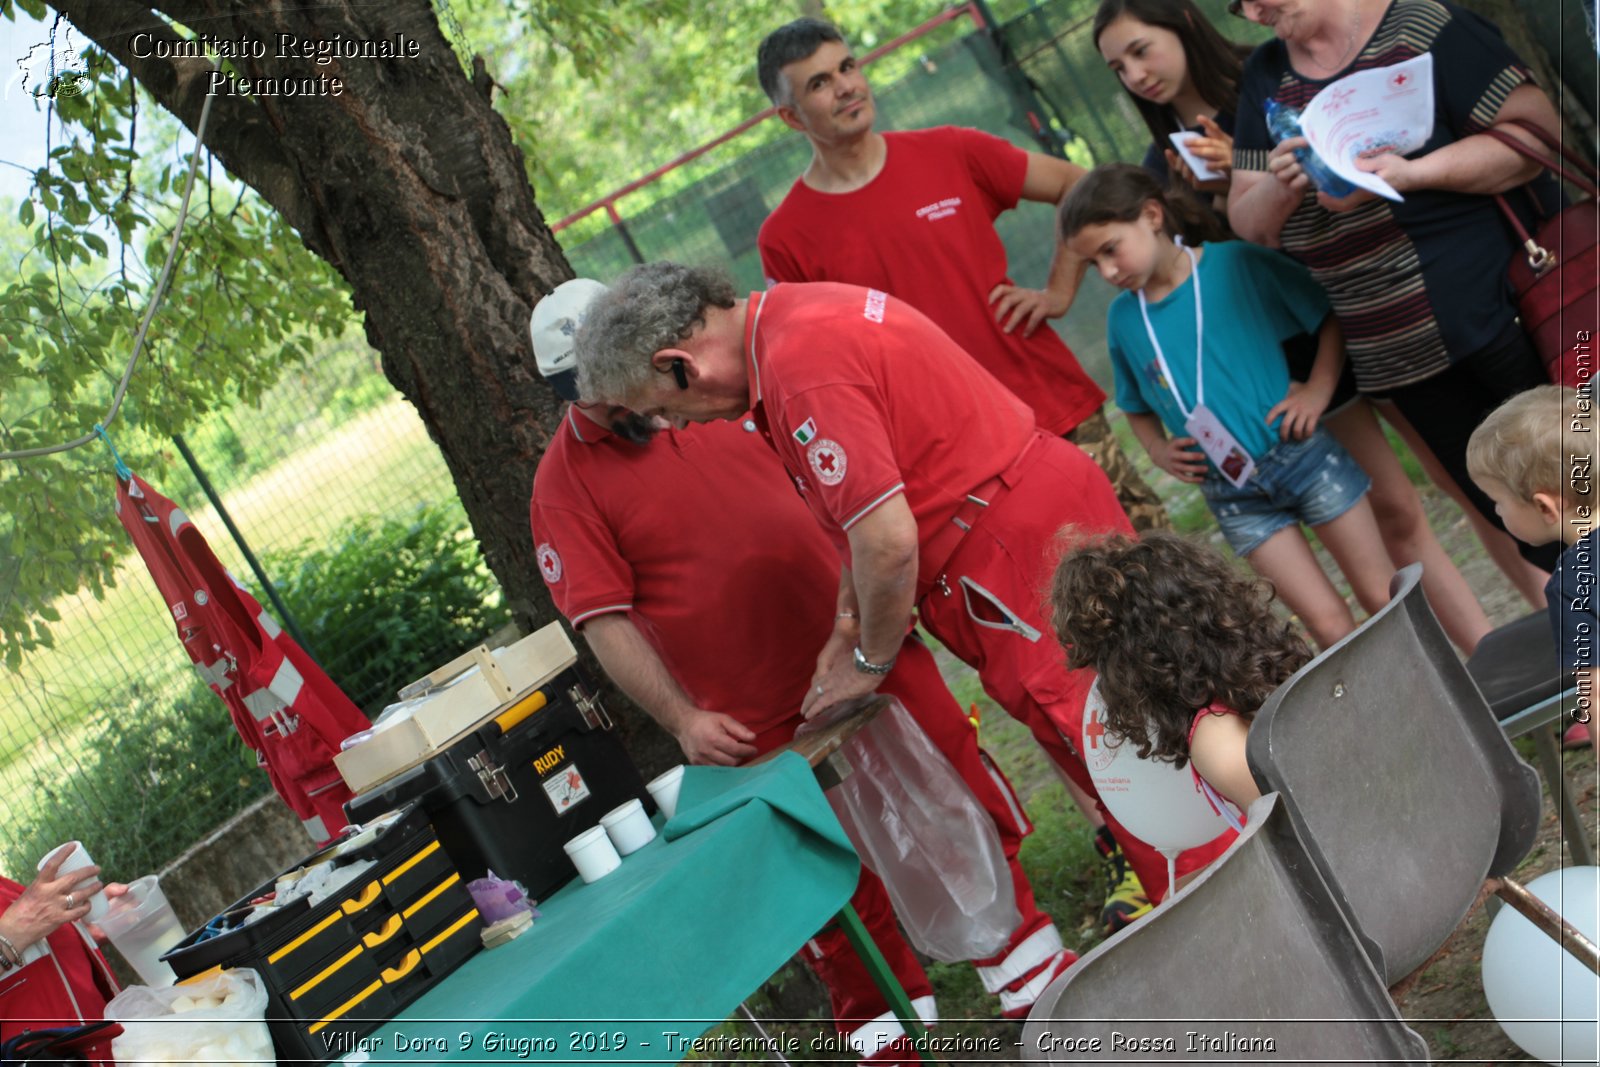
(867, 667)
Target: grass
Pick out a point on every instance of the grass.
(1059, 857)
(102, 645)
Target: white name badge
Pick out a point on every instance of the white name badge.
(1220, 446)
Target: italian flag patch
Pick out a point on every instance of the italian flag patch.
(806, 431)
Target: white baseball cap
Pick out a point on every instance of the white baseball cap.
(553, 325)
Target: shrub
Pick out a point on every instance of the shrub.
(164, 770)
(386, 601)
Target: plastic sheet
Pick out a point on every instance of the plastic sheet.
(918, 827)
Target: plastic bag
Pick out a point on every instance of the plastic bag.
(918, 827)
(161, 1026)
(499, 899)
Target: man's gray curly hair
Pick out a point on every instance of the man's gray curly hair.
(653, 306)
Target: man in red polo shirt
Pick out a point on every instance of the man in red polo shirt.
(912, 213)
(934, 482)
(706, 590)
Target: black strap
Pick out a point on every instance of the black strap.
(61, 1046)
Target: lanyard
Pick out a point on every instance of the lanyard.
(1199, 336)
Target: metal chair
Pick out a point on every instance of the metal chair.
(1516, 669)
(1398, 779)
(1252, 961)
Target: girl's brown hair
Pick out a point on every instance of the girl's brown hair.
(1214, 63)
(1171, 626)
(1118, 192)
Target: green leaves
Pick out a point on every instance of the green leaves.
(594, 32)
(247, 300)
(170, 757)
(601, 93)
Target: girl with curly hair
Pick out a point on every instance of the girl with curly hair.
(1187, 648)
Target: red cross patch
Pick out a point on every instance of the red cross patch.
(1093, 732)
(549, 563)
(828, 461)
(1099, 744)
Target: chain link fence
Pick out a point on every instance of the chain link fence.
(332, 480)
(1039, 82)
(111, 738)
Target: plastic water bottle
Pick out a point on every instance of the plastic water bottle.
(1283, 123)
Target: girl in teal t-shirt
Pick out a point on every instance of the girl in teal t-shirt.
(1196, 345)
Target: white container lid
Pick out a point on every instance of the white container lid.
(585, 839)
(621, 812)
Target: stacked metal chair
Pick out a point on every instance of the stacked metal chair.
(1391, 795)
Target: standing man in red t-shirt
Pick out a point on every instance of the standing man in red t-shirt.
(932, 479)
(705, 589)
(912, 213)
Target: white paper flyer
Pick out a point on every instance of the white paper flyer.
(1370, 113)
(1202, 169)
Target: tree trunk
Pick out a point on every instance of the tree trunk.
(1506, 15)
(1513, 22)
(408, 183)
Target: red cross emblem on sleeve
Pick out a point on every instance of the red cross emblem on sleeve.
(828, 461)
(549, 563)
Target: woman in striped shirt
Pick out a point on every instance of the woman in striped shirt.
(1419, 286)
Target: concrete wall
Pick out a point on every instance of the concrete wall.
(233, 859)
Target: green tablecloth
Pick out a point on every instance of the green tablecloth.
(751, 866)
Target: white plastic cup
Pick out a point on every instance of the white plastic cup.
(663, 788)
(629, 827)
(592, 853)
(142, 925)
(98, 904)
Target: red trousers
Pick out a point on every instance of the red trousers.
(988, 607)
(858, 1008)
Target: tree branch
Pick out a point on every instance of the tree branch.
(240, 135)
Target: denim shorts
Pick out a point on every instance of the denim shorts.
(1311, 481)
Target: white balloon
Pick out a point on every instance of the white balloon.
(1527, 976)
(1158, 803)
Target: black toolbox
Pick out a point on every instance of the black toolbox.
(509, 794)
(336, 970)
